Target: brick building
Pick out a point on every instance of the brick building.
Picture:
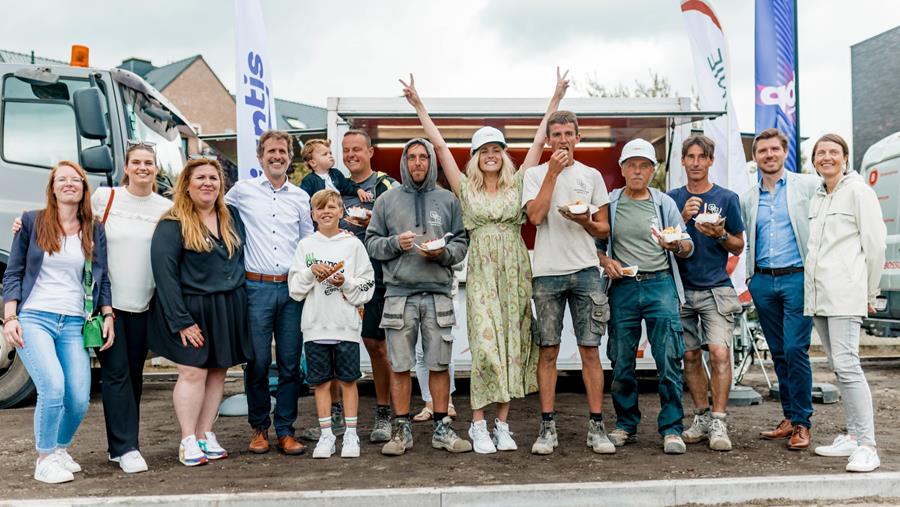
(875, 73)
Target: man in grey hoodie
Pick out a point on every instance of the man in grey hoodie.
(417, 232)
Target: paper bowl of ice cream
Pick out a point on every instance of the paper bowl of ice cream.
(434, 244)
(357, 212)
(707, 218)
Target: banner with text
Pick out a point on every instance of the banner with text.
(775, 73)
(253, 83)
(713, 73)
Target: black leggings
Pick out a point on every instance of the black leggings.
(121, 377)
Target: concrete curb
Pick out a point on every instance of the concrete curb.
(649, 493)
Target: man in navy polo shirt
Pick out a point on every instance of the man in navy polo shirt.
(712, 217)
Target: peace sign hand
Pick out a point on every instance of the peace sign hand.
(409, 91)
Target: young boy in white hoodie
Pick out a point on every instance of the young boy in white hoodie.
(331, 271)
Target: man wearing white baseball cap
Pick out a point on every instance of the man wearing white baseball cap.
(644, 285)
(567, 202)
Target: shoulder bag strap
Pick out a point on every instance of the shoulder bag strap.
(88, 281)
(112, 195)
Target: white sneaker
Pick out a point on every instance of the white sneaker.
(189, 452)
(350, 445)
(66, 460)
(502, 437)
(481, 439)
(51, 470)
(210, 446)
(864, 459)
(131, 462)
(843, 445)
(325, 448)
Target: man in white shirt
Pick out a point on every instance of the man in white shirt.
(566, 268)
(277, 216)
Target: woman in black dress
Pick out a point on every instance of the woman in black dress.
(198, 316)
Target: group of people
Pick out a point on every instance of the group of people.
(210, 279)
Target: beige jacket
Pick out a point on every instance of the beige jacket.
(846, 249)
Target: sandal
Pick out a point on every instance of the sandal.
(425, 415)
(451, 411)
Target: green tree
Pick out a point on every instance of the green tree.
(657, 86)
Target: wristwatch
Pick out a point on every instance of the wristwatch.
(723, 238)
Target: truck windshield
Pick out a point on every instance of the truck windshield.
(146, 122)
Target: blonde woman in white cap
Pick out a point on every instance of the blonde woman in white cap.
(498, 281)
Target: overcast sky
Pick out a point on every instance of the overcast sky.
(488, 48)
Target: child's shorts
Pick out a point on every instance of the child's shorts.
(329, 362)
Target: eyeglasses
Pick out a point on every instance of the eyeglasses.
(198, 156)
(68, 179)
(150, 146)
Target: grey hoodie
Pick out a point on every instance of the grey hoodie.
(428, 211)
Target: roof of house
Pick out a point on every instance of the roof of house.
(14, 57)
(295, 115)
(161, 77)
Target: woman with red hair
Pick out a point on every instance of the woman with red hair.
(58, 253)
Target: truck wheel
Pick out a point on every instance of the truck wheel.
(15, 384)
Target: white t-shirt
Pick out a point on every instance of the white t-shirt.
(129, 229)
(59, 287)
(561, 246)
(327, 179)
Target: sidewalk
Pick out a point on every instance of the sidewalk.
(877, 487)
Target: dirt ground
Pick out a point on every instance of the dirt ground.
(424, 466)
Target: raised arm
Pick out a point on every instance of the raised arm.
(451, 170)
(533, 157)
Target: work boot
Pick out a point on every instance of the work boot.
(597, 439)
(699, 429)
(381, 431)
(620, 437)
(259, 441)
(718, 433)
(546, 440)
(445, 438)
(401, 440)
(673, 444)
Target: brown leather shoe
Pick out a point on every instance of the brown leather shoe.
(259, 442)
(799, 438)
(784, 430)
(289, 445)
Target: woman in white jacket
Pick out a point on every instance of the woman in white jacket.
(843, 268)
(332, 273)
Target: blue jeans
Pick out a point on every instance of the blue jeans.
(60, 368)
(655, 301)
(779, 303)
(272, 311)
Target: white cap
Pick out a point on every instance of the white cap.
(486, 135)
(638, 148)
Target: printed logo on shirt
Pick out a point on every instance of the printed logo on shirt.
(713, 208)
(435, 219)
(582, 187)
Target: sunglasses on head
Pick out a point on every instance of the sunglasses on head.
(149, 146)
(203, 157)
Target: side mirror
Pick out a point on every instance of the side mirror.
(89, 114)
(97, 159)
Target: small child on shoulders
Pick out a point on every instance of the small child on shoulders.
(332, 273)
(318, 157)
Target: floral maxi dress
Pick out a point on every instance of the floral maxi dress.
(498, 296)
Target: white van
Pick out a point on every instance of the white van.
(881, 168)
